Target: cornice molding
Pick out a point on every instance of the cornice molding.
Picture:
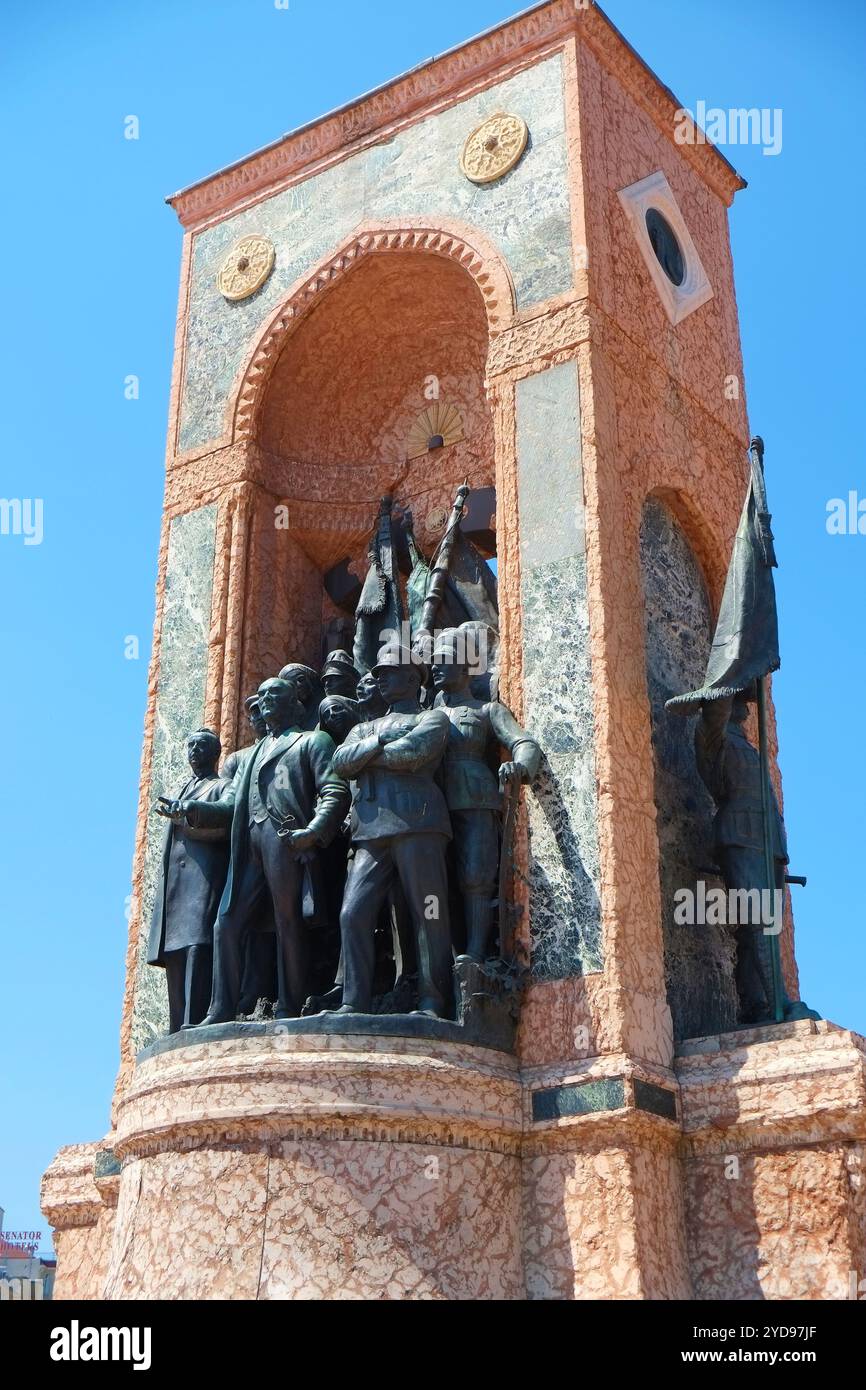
(434, 84)
(349, 127)
(617, 55)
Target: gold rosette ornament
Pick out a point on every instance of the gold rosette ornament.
(494, 147)
(246, 267)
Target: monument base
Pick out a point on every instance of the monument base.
(277, 1163)
(281, 1164)
(774, 1158)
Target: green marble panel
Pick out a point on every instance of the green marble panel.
(183, 652)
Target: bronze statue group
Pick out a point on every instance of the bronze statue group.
(346, 857)
(352, 856)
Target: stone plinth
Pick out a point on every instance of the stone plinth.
(79, 1198)
(265, 1161)
(291, 1165)
(603, 1212)
(774, 1124)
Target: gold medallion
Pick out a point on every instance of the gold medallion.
(246, 267)
(494, 148)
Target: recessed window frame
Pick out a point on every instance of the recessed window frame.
(655, 192)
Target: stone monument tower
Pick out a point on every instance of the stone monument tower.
(512, 256)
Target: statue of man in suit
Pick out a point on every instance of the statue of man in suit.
(472, 790)
(283, 804)
(400, 830)
(194, 867)
(259, 971)
(234, 760)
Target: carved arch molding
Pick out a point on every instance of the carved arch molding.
(468, 249)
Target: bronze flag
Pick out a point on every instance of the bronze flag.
(746, 643)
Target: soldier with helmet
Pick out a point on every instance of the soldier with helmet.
(472, 790)
(400, 830)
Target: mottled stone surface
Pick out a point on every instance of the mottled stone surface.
(82, 1256)
(183, 655)
(349, 383)
(265, 1086)
(318, 1220)
(579, 1242)
(189, 1226)
(82, 1215)
(699, 960)
(292, 1167)
(773, 1163)
(396, 1221)
(660, 1220)
(349, 1168)
(526, 214)
(564, 872)
(777, 1229)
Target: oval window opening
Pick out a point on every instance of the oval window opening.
(666, 247)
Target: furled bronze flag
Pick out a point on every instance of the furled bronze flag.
(746, 644)
(380, 607)
(457, 586)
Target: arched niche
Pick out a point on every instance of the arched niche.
(392, 336)
(699, 960)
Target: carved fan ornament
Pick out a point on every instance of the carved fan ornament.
(440, 424)
(246, 267)
(494, 147)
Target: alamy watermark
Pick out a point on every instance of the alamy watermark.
(738, 125)
(77, 1343)
(736, 907)
(846, 516)
(468, 645)
(22, 1290)
(22, 516)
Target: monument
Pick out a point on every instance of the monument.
(485, 313)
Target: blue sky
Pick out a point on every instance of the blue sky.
(89, 278)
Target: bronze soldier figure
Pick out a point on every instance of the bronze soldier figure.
(339, 676)
(194, 867)
(283, 803)
(337, 715)
(731, 768)
(400, 829)
(372, 706)
(472, 790)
